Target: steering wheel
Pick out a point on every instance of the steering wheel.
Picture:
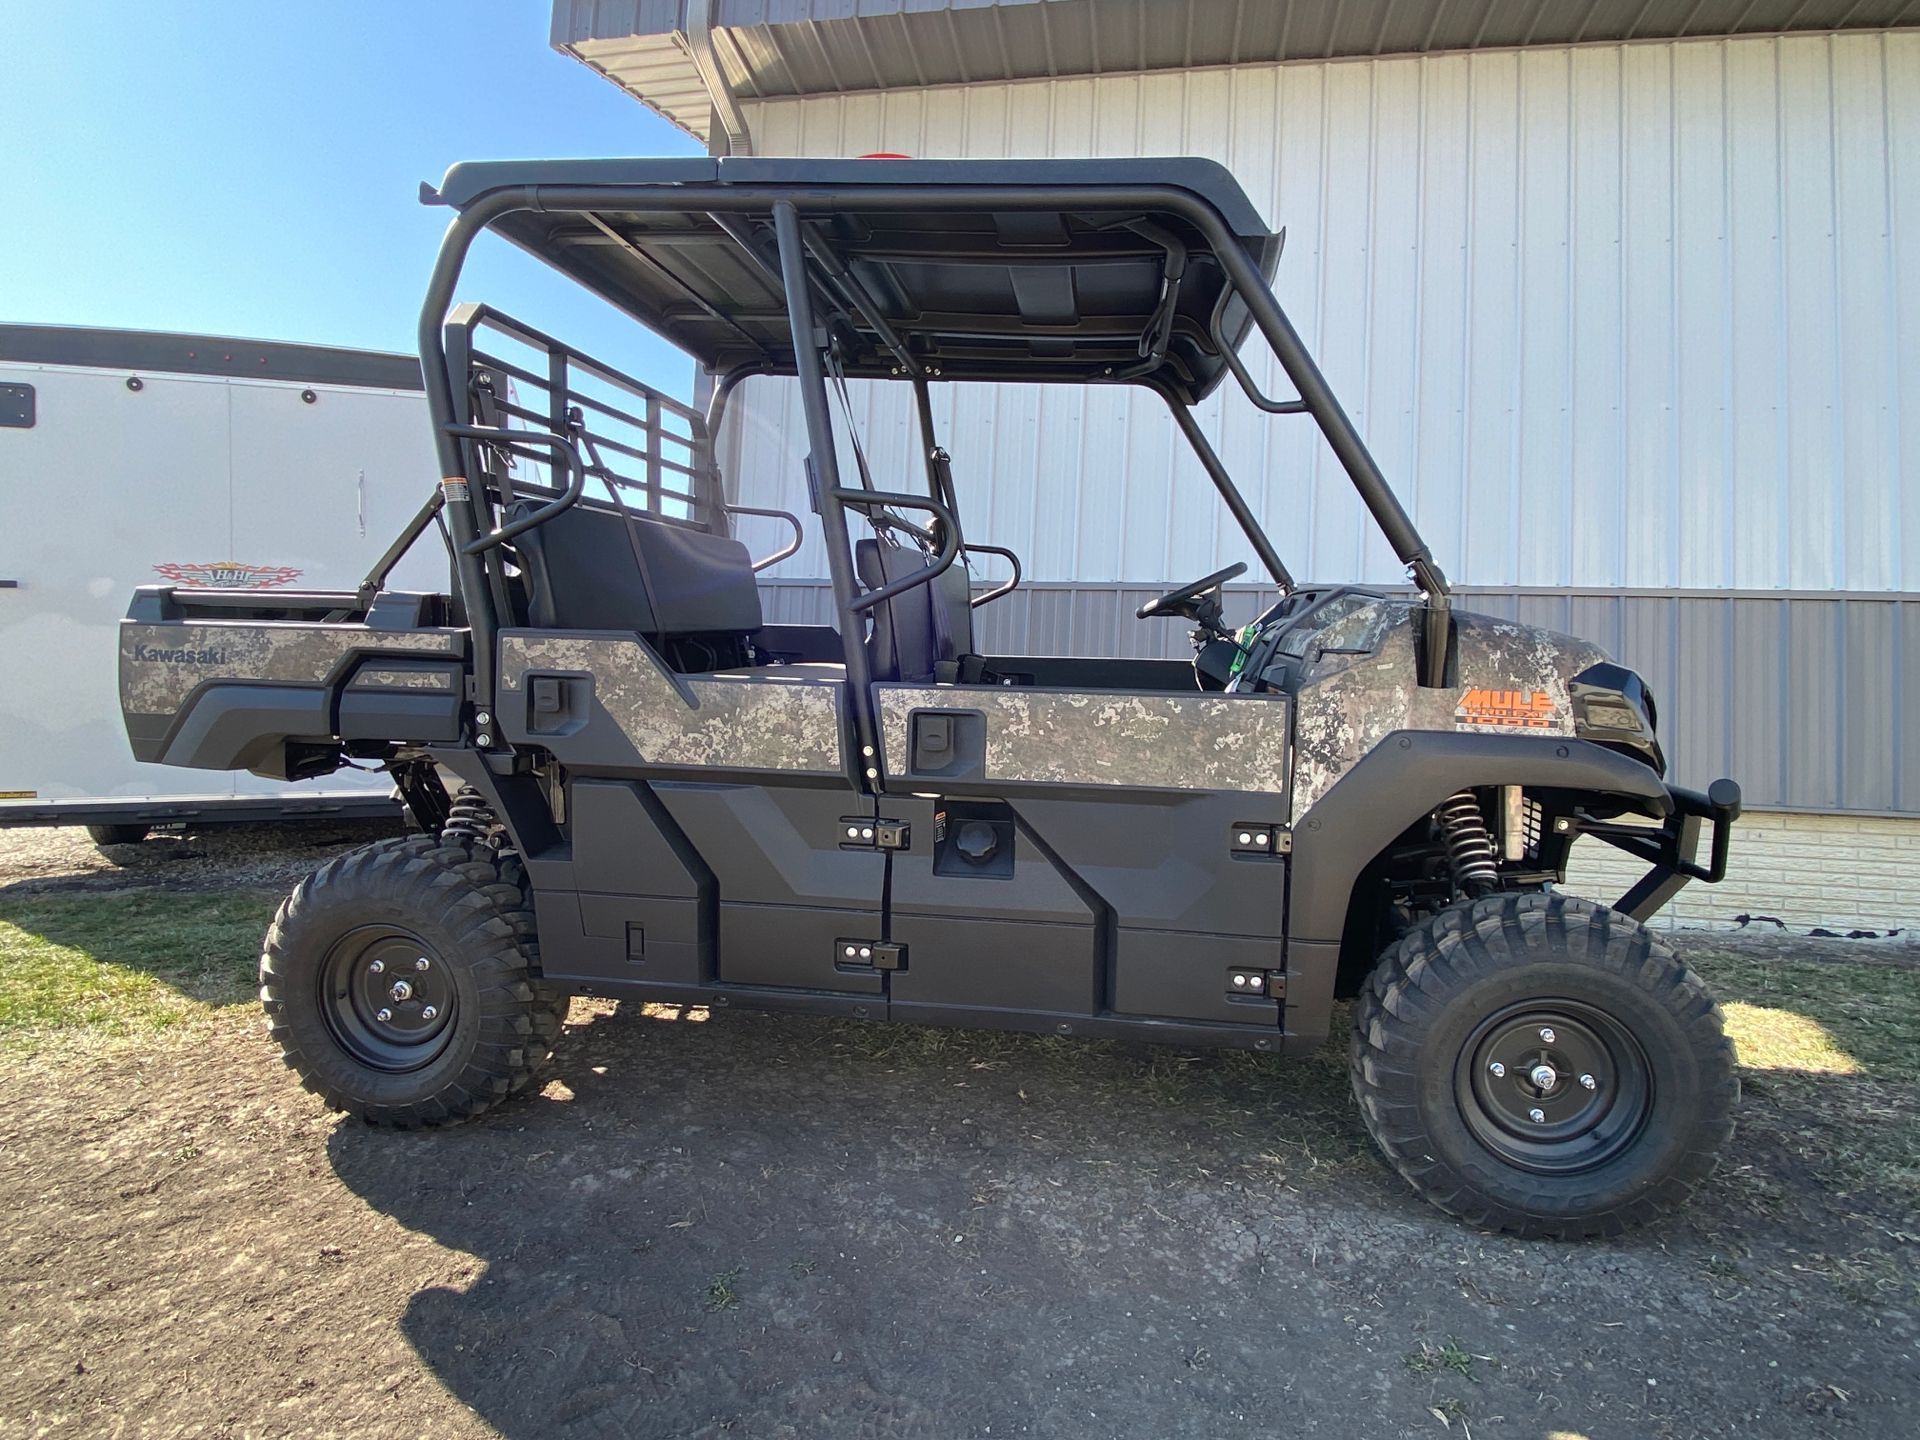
(1182, 601)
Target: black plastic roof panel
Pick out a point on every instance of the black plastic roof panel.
(1066, 292)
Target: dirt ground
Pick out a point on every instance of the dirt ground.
(750, 1226)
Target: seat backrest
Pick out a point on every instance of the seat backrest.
(581, 574)
(923, 626)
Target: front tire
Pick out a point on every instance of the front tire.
(1543, 1066)
(399, 981)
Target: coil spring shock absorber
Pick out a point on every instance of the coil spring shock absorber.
(471, 818)
(1469, 845)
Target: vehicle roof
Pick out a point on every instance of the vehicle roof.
(1064, 292)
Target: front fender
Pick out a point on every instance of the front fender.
(1407, 775)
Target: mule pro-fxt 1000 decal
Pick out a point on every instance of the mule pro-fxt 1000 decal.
(1511, 679)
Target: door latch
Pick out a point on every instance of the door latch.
(869, 955)
(1259, 984)
(1245, 839)
(858, 832)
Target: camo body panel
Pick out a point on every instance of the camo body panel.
(1150, 741)
(1348, 703)
(765, 722)
(161, 665)
(370, 679)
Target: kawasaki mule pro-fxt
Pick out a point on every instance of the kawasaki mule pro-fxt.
(658, 793)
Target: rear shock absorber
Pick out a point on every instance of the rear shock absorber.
(1469, 845)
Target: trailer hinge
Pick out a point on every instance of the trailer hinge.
(865, 833)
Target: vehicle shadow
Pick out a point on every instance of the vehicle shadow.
(768, 1220)
(745, 1223)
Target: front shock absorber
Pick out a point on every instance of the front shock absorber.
(471, 818)
(1469, 845)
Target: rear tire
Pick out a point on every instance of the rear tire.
(1543, 1066)
(372, 1030)
(129, 834)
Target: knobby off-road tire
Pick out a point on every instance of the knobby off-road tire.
(1448, 1041)
(364, 921)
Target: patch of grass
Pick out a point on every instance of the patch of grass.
(1823, 1017)
(720, 1291)
(125, 964)
(1830, 1050)
(1450, 1355)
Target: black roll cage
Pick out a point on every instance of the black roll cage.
(810, 274)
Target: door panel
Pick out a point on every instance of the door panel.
(792, 885)
(1126, 813)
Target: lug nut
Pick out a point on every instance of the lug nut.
(427, 1012)
(1544, 1077)
(378, 967)
(1587, 1081)
(384, 1016)
(1537, 1116)
(422, 963)
(1546, 1036)
(401, 991)
(1497, 1069)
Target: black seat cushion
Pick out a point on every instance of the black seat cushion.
(922, 627)
(580, 574)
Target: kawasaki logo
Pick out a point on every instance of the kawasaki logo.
(180, 657)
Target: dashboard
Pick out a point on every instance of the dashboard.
(1283, 643)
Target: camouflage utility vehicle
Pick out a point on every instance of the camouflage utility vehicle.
(631, 781)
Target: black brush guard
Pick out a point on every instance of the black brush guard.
(1670, 849)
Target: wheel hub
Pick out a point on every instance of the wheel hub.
(386, 1023)
(1553, 1086)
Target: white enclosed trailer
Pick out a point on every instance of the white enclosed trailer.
(134, 458)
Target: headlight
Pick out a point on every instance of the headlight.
(1613, 707)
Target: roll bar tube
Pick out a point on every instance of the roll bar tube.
(825, 466)
(1216, 469)
(787, 202)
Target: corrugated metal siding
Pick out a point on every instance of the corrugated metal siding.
(1810, 702)
(1608, 316)
(772, 48)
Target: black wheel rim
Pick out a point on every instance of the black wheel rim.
(387, 998)
(1554, 1086)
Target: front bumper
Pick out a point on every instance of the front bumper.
(1670, 849)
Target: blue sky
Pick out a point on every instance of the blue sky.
(252, 169)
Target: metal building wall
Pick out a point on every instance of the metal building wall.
(1617, 318)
